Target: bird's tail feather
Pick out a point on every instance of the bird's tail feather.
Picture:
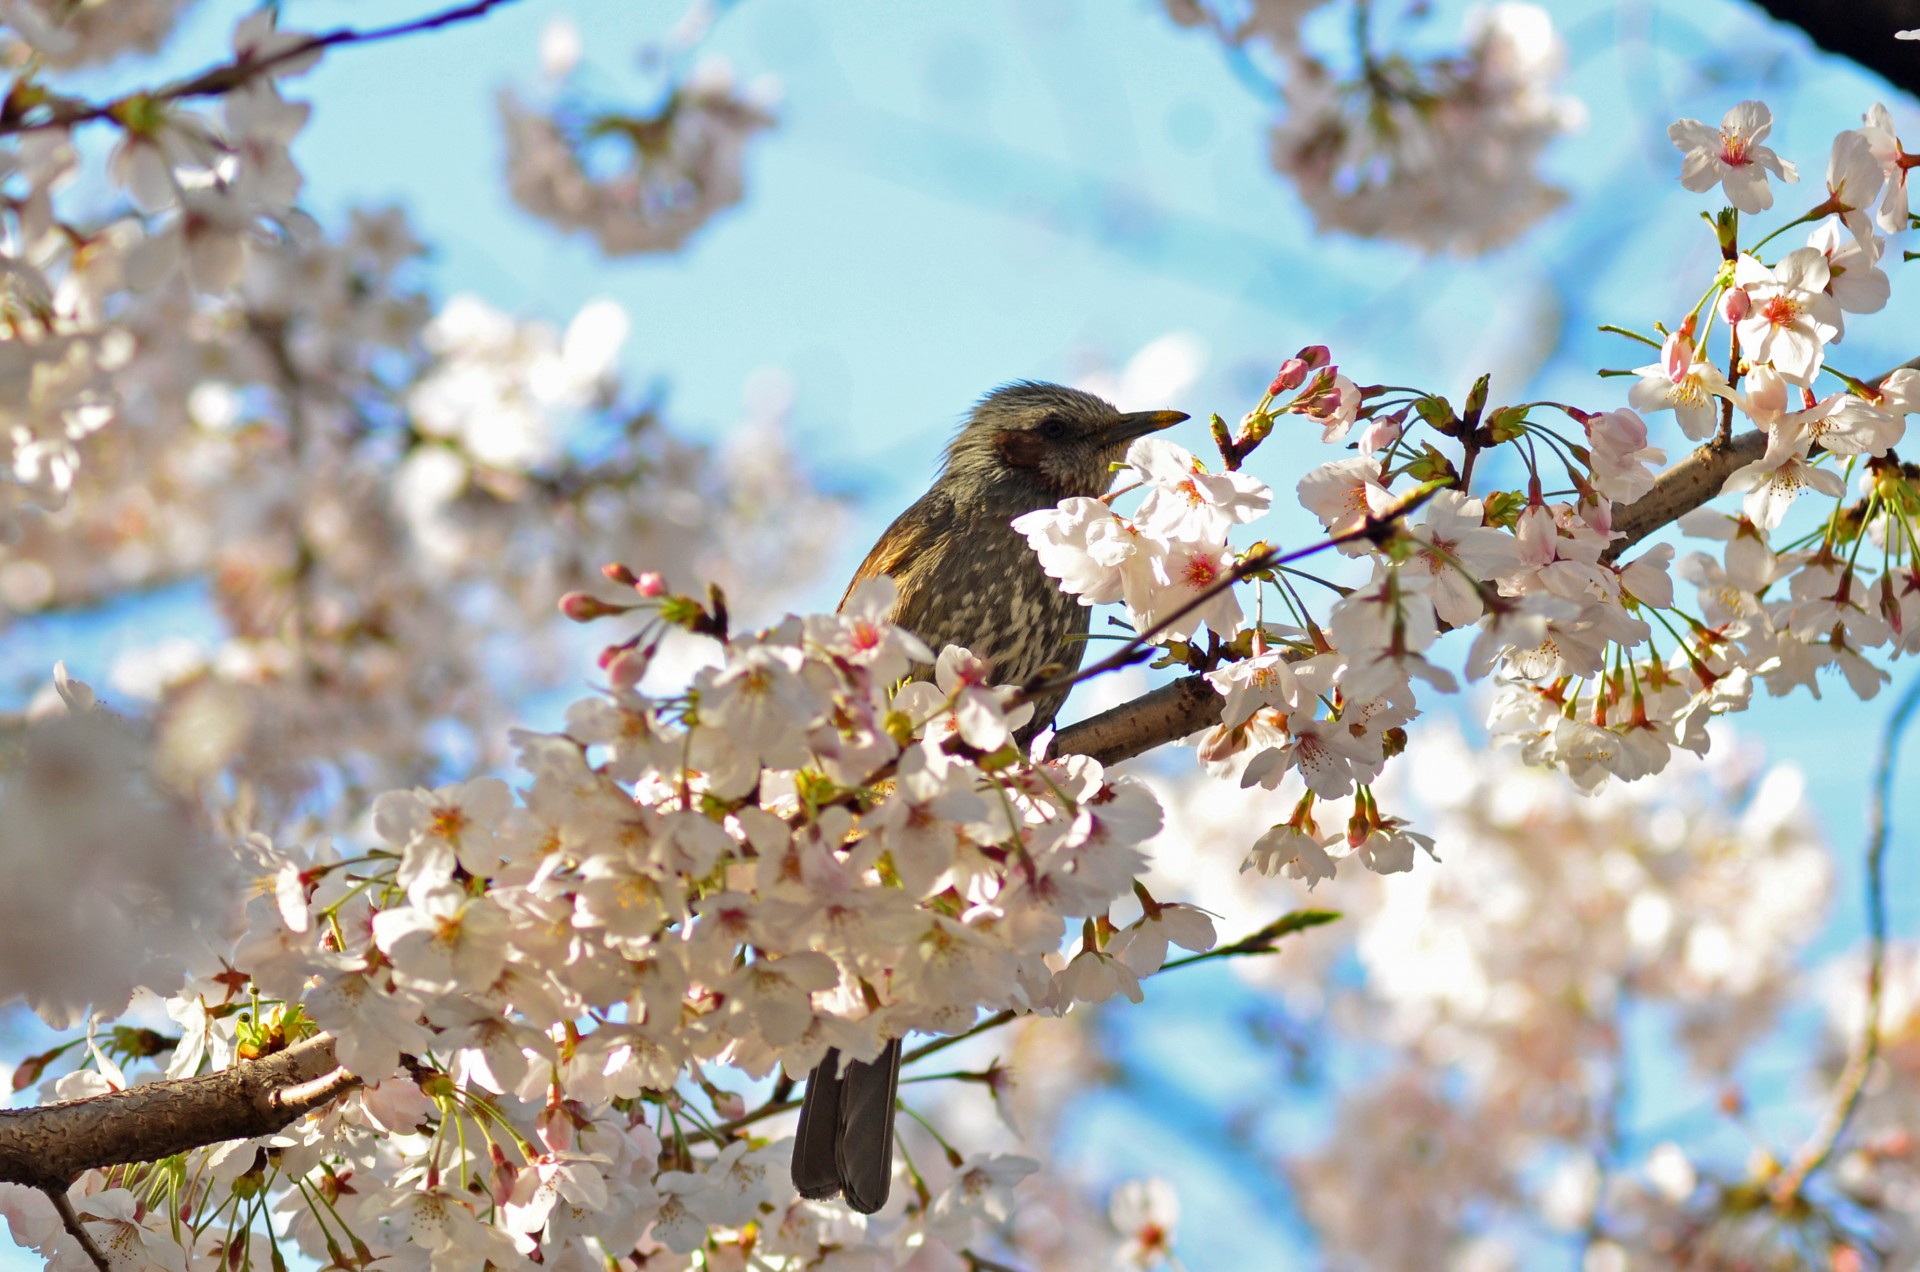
(815, 1175)
(844, 1143)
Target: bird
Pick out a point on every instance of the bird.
(965, 577)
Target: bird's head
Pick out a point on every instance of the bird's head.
(1045, 442)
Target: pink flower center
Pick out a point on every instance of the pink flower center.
(1201, 571)
(1733, 148)
(1781, 311)
(1192, 492)
(449, 822)
(865, 635)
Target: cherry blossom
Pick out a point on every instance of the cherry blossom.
(1683, 383)
(1792, 319)
(1773, 482)
(1148, 1212)
(1884, 142)
(1732, 156)
(1854, 181)
(1185, 501)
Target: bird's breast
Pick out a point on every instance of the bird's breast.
(980, 586)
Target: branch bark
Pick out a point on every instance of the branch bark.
(48, 1146)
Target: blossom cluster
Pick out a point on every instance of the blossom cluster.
(682, 165)
(68, 34)
(92, 806)
(799, 851)
(1442, 153)
(1599, 667)
(748, 848)
(409, 474)
(1473, 1054)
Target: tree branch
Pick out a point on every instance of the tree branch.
(1853, 1079)
(77, 1230)
(55, 111)
(48, 1146)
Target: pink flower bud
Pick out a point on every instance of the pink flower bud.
(1735, 304)
(1293, 374)
(650, 585)
(554, 1126)
(1315, 356)
(1677, 357)
(626, 668)
(1221, 744)
(501, 1177)
(584, 607)
(618, 573)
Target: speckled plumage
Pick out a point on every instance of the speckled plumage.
(966, 577)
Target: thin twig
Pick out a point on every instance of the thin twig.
(1135, 649)
(227, 76)
(994, 1021)
(1261, 942)
(77, 1229)
(1853, 1079)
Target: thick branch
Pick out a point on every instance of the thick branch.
(1689, 484)
(49, 1146)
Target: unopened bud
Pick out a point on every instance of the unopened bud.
(1221, 743)
(584, 607)
(651, 585)
(554, 1128)
(1315, 355)
(626, 668)
(1292, 374)
(1676, 357)
(618, 573)
(1735, 304)
(501, 1177)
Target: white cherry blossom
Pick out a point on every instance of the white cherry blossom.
(1732, 156)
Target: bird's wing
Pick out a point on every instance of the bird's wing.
(906, 541)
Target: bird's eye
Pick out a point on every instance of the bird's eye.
(1053, 428)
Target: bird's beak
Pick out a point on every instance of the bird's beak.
(1139, 424)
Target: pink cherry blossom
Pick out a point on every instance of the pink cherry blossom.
(1732, 156)
(1792, 318)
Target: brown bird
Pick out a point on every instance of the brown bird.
(966, 577)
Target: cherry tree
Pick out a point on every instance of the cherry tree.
(319, 1003)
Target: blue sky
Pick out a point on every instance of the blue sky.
(956, 196)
